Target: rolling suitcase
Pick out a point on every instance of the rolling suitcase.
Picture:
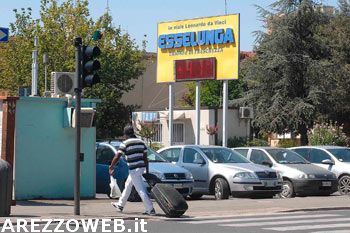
(168, 198)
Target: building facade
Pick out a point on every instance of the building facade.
(184, 125)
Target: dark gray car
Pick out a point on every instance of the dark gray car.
(333, 158)
(299, 175)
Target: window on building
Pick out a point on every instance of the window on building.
(178, 133)
(158, 135)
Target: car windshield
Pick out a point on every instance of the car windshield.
(342, 154)
(223, 155)
(285, 156)
(155, 157)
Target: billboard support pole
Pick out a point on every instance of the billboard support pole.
(171, 112)
(198, 112)
(224, 113)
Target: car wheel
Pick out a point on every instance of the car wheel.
(196, 196)
(134, 196)
(287, 189)
(344, 185)
(221, 189)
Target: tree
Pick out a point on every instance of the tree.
(337, 38)
(211, 92)
(147, 130)
(58, 25)
(287, 79)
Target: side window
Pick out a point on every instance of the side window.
(99, 154)
(317, 156)
(104, 155)
(192, 156)
(258, 157)
(172, 155)
(304, 152)
(243, 152)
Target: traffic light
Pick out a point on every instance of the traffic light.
(90, 66)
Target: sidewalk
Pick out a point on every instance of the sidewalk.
(101, 208)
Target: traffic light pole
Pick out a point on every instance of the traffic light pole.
(78, 72)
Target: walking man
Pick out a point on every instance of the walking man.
(135, 151)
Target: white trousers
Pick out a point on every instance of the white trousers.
(135, 179)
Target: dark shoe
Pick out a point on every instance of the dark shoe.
(118, 207)
(150, 213)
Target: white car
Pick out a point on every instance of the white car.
(333, 158)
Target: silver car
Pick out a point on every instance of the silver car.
(221, 171)
(299, 175)
(333, 158)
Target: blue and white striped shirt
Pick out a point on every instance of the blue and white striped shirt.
(133, 149)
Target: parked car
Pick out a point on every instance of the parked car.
(300, 177)
(333, 158)
(220, 171)
(167, 172)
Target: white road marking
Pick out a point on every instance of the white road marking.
(263, 218)
(333, 231)
(254, 224)
(310, 227)
(220, 216)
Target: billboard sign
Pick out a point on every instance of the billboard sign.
(187, 46)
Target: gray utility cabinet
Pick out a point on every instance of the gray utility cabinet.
(5, 188)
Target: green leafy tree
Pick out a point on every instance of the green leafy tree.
(147, 130)
(337, 38)
(211, 92)
(287, 79)
(58, 25)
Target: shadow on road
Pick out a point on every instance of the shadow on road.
(316, 209)
(40, 203)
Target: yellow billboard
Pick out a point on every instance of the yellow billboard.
(213, 37)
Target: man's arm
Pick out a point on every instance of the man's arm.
(146, 162)
(114, 162)
(120, 153)
(145, 159)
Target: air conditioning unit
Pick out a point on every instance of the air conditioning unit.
(246, 113)
(63, 83)
(86, 117)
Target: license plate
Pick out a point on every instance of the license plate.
(326, 183)
(178, 185)
(270, 184)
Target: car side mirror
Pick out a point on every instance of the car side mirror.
(328, 162)
(199, 161)
(267, 163)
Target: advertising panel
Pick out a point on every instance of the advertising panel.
(198, 41)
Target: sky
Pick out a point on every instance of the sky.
(140, 17)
